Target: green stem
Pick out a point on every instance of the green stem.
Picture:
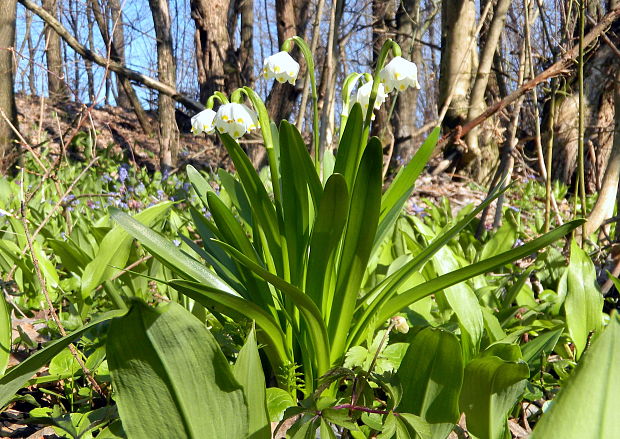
(307, 54)
(217, 95)
(388, 46)
(582, 180)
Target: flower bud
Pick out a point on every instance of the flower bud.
(400, 324)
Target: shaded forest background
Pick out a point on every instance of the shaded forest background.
(502, 77)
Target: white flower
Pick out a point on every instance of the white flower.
(203, 122)
(363, 96)
(282, 67)
(399, 74)
(400, 324)
(235, 120)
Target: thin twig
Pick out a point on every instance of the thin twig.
(52, 311)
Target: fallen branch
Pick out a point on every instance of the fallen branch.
(561, 67)
(116, 67)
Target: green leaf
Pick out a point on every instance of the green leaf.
(503, 239)
(248, 372)
(306, 306)
(17, 376)
(262, 207)
(295, 207)
(431, 374)
(170, 255)
(584, 302)
(491, 388)
(278, 400)
(201, 185)
(326, 235)
(349, 148)
(171, 378)
(114, 251)
(587, 405)
(539, 346)
(6, 334)
(357, 245)
(237, 307)
(402, 186)
(463, 302)
(396, 304)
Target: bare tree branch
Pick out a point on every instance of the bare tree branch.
(116, 67)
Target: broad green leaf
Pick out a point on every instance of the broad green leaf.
(400, 302)
(584, 302)
(431, 374)
(301, 160)
(503, 239)
(240, 308)
(114, 250)
(6, 334)
(170, 255)
(463, 302)
(587, 405)
(171, 378)
(17, 376)
(295, 207)
(357, 245)
(278, 400)
(234, 190)
(248, 372)
(491, 388)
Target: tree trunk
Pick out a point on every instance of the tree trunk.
(118, 38)
(404, 117)
(212, 44)
(57, 88)
(8, 13)
(383, 26)
(458, 63)
(88, 64)
(482, 151)
(291, 19)
(606, 201)
(600, 72)
(166, 68)
(246, 49)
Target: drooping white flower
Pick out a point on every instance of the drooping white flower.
(399, 74)
(203, 122)
(363, 96)
(282, 67)
(235, 120)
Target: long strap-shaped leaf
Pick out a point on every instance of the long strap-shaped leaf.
(330, 221)
(262, 206)
(306, 306)
(381, 293)
(357, 244)
(379, 315)
(400, 190)
(348, 155)
(233, 306)
(17, 376)
(169, 254)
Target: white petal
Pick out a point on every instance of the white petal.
(203, 122)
